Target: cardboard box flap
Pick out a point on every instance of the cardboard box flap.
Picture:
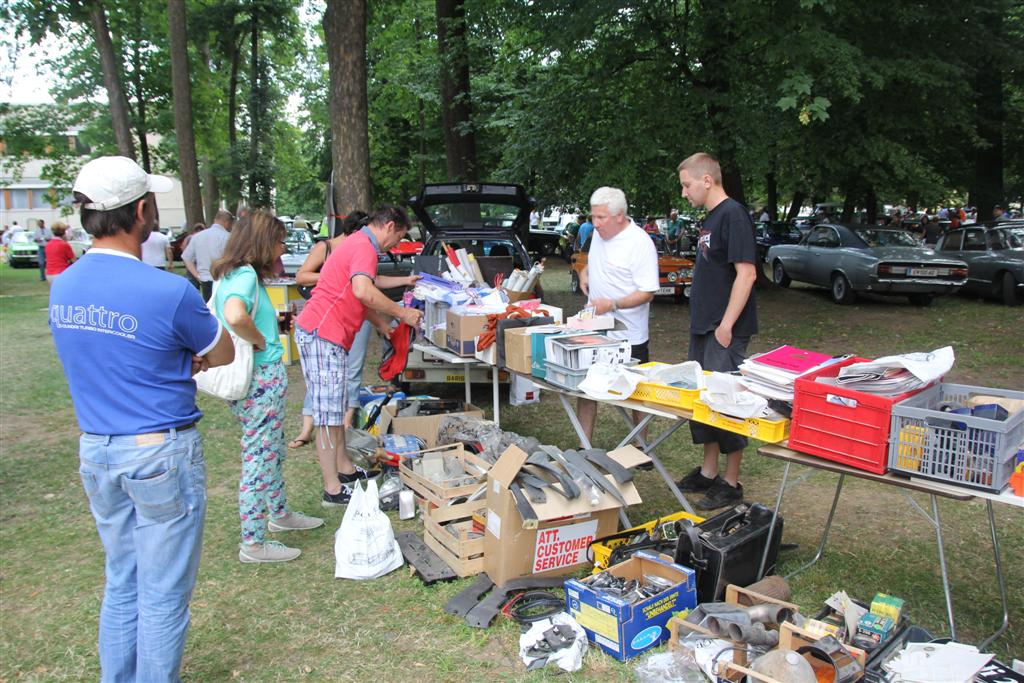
(507, 467)
(629, 456)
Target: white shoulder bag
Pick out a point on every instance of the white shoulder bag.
(230, 382)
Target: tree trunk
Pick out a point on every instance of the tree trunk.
(456, 106)
(345, 36)
(140, 97)
(871, 202)
(849, 204)
(181, 87)
(990, 114)
(112, 81)
(254, 103)
(234, 189)
(798, 203)
(772, 190)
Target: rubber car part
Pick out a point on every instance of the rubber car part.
(532, 606)
(468, 597)
(600, 458)
(425, 561)
(484, 612)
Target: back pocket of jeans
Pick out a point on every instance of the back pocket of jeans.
(157, 499)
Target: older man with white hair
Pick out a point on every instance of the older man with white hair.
(621, 277)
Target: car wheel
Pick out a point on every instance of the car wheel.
(842, 293)
(779, 276)
(547, 249)
(1009, 290)
(923, 300)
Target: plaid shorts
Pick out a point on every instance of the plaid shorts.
(324, 367)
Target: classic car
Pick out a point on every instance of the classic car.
(489, 221)
(79, 240)
(861, 258)
(675, 273)
(22, 250)
(995, 258)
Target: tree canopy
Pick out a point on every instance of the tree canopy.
(864, 103)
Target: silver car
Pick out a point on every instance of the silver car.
(297, 246)
(995, 259)
(862, 258)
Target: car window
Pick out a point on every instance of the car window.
(471, 215)
(21, 237)
(974, 240)
(885, 238)
(298, 241)
(824, 237)
(483, 248)
(1003, 238)
(951, 242)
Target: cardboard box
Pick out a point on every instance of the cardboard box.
(488, 355)
(624, 630)
(519, 347)
(462, 331)
(557, 543)
(423, 426)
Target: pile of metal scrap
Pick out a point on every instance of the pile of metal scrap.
(485, 437)
(569, 474)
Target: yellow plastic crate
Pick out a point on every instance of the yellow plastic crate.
(770, 431)
(602, 551)
(664, 394)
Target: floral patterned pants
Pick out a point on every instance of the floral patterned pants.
(261, 413)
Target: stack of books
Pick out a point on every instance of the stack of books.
(773, 374)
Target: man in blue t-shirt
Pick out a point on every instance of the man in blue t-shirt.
(723, 316)
(583, 236)
(130, 337)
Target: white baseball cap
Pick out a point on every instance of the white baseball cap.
(112, 182)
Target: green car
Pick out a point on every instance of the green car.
(22, 250)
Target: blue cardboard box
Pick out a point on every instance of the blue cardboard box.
(625, 630)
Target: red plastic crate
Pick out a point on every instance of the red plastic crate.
(840, 424)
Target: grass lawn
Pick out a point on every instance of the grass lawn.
(296, 622)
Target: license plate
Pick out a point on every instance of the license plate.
(923, 272)
(665, 291)
(454, 378)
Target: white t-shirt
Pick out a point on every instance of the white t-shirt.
(620, 266)
(154, 249)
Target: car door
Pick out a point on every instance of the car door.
(974, 251)
(822, 254)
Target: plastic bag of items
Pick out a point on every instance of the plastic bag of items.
(556, 640)
(674, 666)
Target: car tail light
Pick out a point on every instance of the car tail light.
(884, 269)
(958, 272)
(414, 374)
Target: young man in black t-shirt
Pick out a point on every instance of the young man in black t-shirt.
(723, 316)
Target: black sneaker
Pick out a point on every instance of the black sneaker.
(334, 500)
(358, 475)
(695, 481)
(721, 494)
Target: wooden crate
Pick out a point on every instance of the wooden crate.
(734, 595)
(439, 494)
(463, 554)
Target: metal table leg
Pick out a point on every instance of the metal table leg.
(775, 517)
(494, 396)
(942, 565)
(999, 578)
(824, 534)
(648, 449)
(465, 375)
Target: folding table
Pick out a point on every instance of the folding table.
(933, 489)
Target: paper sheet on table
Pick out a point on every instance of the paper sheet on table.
(938, 663)
(688, 374)
(608, 382)
(726, 395)
(927, 367)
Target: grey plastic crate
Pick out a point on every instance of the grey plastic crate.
(966, 450)
(567, 378)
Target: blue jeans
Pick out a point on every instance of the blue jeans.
(42, 262)
(354, 370)
(148, 496)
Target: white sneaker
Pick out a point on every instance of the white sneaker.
(294, 521)
(269, 551)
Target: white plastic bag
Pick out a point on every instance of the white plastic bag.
(229, 382)
(364, 544)
(567, 659)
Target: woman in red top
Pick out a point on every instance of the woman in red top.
(59, 254)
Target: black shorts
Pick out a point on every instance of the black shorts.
(711, 355)
(642, 352)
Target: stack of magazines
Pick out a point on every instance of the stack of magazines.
(895, 375)
(773, 374)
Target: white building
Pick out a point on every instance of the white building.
(26, 199)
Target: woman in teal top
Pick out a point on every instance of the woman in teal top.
(242, 304)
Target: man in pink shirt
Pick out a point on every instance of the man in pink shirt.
(344, 297)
